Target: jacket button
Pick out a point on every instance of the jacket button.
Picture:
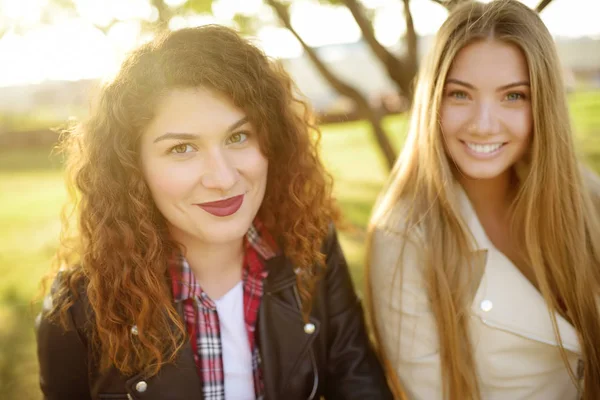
(486, 305)
(141, 386)
(309, 328)
(134, 330)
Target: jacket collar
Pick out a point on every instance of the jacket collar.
(281, 274)
(505, 299)
(480, 241)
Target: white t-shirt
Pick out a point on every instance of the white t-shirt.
(237, 357)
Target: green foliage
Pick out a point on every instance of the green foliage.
(198, 6)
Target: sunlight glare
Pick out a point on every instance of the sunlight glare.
(278, 42)
(174, 3)
(71, 51)
(387, 29)
(226, 9)
(24, 12)
(337, 22)
(102, 13)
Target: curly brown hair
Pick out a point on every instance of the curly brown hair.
(119, 253)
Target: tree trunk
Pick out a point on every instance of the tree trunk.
(342, 88)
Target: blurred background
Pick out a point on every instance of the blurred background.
(354, 60)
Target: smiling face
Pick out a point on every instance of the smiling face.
(203, 164)
(486, 110)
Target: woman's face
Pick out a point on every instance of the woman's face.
(203, 164)
(486, 109)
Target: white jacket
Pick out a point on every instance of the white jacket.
(515, 349)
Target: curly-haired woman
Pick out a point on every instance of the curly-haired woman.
(205, 264)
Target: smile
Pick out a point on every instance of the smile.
(486, 149)
(223, 208)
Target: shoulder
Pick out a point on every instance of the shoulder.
(331, 240)
(394, 245)
(67, 304)
(393, 225)
(63, 348)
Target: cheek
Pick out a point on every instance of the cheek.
(167, 181)
(521, 123)
(453, 119)
(254, 165)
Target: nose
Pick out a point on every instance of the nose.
(485, 120)
(220, 174)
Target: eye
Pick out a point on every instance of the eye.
(182, 148)
(237, 138)
(458, 94)
(514, 96)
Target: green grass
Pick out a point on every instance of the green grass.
(31, 195)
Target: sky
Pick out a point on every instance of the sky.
(66, 45)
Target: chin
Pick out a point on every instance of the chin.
(227, 231)
(482, 173)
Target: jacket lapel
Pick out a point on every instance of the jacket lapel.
(178, 380)
(175, 381)
(505, 299)
(282, 339)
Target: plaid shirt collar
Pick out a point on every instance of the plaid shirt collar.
(201, 317)
(258, 245)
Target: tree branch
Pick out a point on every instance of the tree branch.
(441, 3)
(411, 42)
(340, 86)
(164, 15)
(393, 65)
(397, 69)
(105, 28)
(540, 7)
(449, 4)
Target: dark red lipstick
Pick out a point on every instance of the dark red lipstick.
(223, 208)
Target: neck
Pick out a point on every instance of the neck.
(491, 197)
(217, 267)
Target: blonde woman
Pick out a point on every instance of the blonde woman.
(484, 248)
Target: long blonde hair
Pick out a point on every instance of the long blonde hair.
(558, 224)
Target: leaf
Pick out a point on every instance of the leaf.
(246, 25)
(199, 6)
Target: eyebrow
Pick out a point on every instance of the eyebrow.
(468, 85)
(193, 136)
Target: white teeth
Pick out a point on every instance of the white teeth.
(484, 148)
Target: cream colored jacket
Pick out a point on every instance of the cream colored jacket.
(515, 349)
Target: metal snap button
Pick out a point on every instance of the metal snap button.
(141, 386)
(309, 328)
(486, 305)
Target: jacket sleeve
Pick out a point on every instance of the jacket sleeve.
(62, 357)
(403, 315)
(353, 372)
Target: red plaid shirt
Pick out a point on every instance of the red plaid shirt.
(202, 319)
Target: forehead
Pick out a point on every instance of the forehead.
(490, 61)
(194, 110)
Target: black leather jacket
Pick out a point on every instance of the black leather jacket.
(335, 361)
